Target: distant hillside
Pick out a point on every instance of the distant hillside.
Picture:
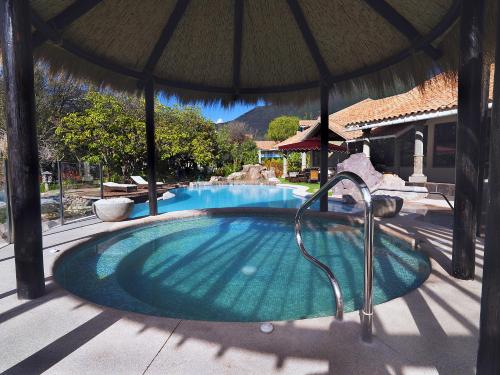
(257, 119)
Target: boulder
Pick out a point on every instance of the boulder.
(114, 209)
(235, 176)
(254, 174)
(217, 178)
(386, 206)
(362, 166)
(269, 174)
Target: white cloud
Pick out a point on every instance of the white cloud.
(219, 121)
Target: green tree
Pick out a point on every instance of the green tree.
(55, 96)
(282, 127)
(109, 131)
(235, 147)
(186, 141)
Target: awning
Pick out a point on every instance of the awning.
(311, 145)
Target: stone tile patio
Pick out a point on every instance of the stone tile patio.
(433, 329)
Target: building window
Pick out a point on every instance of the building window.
(445, 137)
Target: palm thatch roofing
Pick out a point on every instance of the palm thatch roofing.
(242, 50)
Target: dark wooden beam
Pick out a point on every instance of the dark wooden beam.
(324, 130)
(17, 59)
(468, 127)
(483, 151)
(488, 360)
(149, 94)
(402, 25)
(166, 35)
(237, 41)
(309, 39)
(64, 19)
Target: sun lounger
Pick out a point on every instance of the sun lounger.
(142, 183)
(313, 175)
(113, 186)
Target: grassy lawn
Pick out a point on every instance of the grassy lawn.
(311, 188)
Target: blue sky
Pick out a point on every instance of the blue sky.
(216, 113)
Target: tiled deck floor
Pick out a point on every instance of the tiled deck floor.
(431, 330)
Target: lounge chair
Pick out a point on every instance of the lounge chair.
(113, 186)
(142, 183)
(313, 175)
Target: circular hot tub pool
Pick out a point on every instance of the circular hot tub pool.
(234, 268)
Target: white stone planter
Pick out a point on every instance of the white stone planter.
(114, 209)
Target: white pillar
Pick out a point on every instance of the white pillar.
(366, 142)
(418, 159)
(304, 160)
(285, 166)
(259, 152)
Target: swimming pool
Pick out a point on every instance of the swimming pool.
(233, 268)
(232, 196)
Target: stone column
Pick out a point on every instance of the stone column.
(366, 142)
(304, 160)
(285, 166)
(418, 158)
(259, 152)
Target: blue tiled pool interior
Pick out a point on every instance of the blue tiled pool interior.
(233, 268)
(203, 197)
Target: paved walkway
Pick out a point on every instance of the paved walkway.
(431, 330)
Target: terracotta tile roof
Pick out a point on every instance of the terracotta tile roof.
(299, 136)
(266, 145)
(437, 94)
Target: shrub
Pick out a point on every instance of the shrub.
(277, 164)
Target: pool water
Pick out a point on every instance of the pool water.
(232, 268)
(232, 196)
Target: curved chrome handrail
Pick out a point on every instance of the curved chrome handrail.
(367, 311)
(429, 192)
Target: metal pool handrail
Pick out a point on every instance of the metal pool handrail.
(429, 192)
(366, 313)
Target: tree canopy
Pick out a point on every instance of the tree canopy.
(108, 131)
(282, 127)
(111, 130)
(76, 122)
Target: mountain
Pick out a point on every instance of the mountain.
(257, 119)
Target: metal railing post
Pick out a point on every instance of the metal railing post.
(429, 192)
(366, 314)
(61, 192)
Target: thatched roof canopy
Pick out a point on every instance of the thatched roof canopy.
(279, 50)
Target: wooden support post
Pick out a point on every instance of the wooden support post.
(483, 142)
(323, 166)
(149, 94)
(488, 360)
(24, 170)
(468, 125)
